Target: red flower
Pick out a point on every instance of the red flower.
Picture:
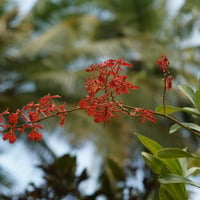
(144, 114)
(106, 114)
(34, 116)
(34, 135)
(123, 63)
(93, 86)
(31, 114)
(44, 101)
(103, 87)
(120, 84)
(30, 105)
(163, 63)
(83, 103)
(13, 118)
(169, 82)
(10, 136)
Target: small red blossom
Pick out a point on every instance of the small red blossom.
(46, 99)
(163, 63)
(34, 116)
(123, 63)
(93, 86)
(120, 85)
(34, 135)
(62, 107)
(30, 105)
(100, 109)
(62, 118)
(10, 136)
(169, 82)
(13, 117)
(83, 103)
(144, 114)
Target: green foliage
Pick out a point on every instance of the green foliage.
(174, 153)
(194, 98)
(191, 126)
(172, 178)
(171, 164)
(172, 109)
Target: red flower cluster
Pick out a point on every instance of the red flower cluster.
(29, 117)
(144, 114)
(164, 66)
(103, 86)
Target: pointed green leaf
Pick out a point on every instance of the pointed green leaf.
(173, 165)
(172, 109)
(192, 126)
(172, 192)
(154, 163)
(165, 194)
(173, 178)
(193, 111)
(150, 144)
(174, 153)
(168, 109)
(192, 170)
(198, 96)
(174, 128)
(189, 92)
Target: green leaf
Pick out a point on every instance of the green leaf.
(189, 92)
(173, 178)
(172, 192)
(190, 110)
(154, 163)
(174, 153)
(172, 109)
(173, 165)
(198, 96)
(150, 144)
(174, 128)
(192, 126)
(168, 109)
(192, 170)
(165, 194)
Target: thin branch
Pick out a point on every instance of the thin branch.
(164, 94)
(170, 118)
(178, 122)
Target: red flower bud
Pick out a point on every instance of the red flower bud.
(169, 82)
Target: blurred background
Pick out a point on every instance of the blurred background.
(45, 45)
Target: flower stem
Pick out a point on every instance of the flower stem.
(167, 117)
(164, 95)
